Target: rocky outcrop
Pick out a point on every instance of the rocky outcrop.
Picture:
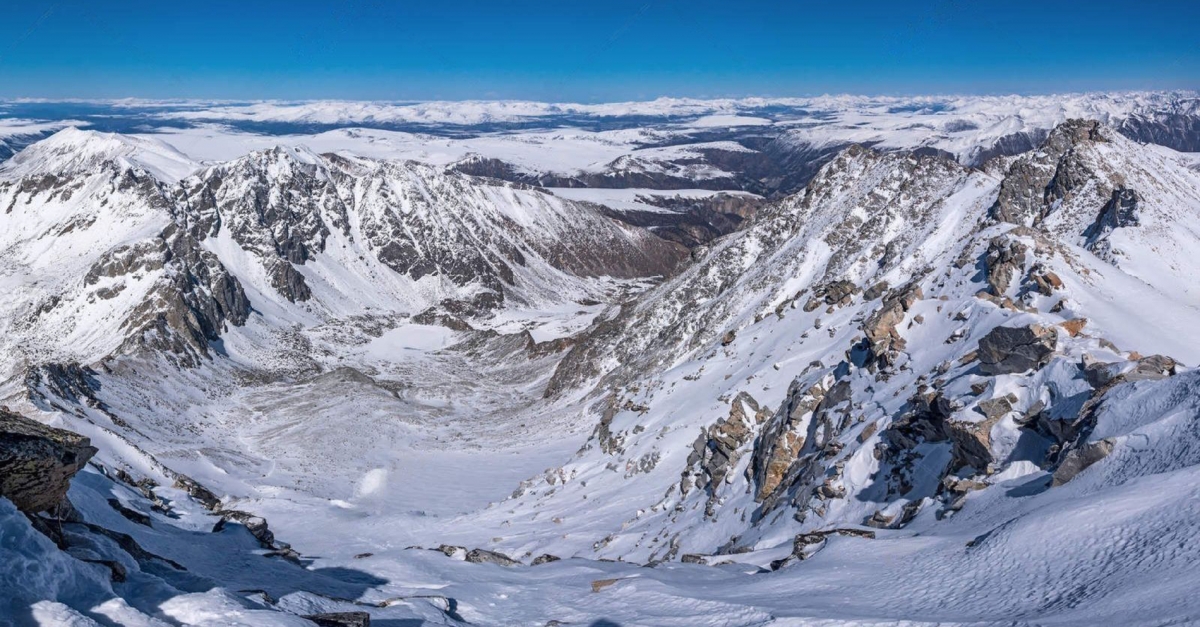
(717, 450)
(483, 556)
(1120, 211)
(1079, 459)
(1010, 350)
(1032, 183)
(191, 304)
(836, 293)
(781, 440)
(882, 336)
(1004, 260)
(37, 462)
(341, 619)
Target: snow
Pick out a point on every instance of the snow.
(356, 431)
(73, 150)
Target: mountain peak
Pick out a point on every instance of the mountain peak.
(74, 150)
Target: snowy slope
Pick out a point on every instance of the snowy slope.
(698, 376)
(815, 421)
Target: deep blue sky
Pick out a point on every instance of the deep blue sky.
(590, 51)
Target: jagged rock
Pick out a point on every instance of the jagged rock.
(996, 408)
(1151, 368)
(1078, 459)
(483, 556)
(341, 619)
(256, 525)
(1120, 211)
(972, 443)
(1004, 260)
(1009, 350)
(835, 293)
(692, 558)
(778, 445)
(1099, 374)
(37, 462)
(1032, 183)
(882, 338)
(1045, 281)
(545, 558)
(198, 492)
(806, 545)
(717, 450)
(130, 514)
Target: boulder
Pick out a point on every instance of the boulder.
(1079, 459)
(37, 462)
(544, 558)
(1009, 350)
(996, 408)
(1152, 368)
(483, 556)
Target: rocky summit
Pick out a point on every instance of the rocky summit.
(864, 362)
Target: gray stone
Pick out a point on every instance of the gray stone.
(1009, 350)
(1079, 459)
(483, 556)
(37, 462)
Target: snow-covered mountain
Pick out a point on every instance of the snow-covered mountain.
(107, 247)
(934, 386)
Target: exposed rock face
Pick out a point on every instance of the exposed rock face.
(256, 525)
(1176, 130)
(1009, 350)
(781, 440)
(1004, 260)
(1120, 211)
(880, 328)
(1031, 184)
(341, 619)
(189, 306)
(719, 448)
(692, 222)
(37, 462)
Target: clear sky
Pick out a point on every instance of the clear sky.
(587, 51)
